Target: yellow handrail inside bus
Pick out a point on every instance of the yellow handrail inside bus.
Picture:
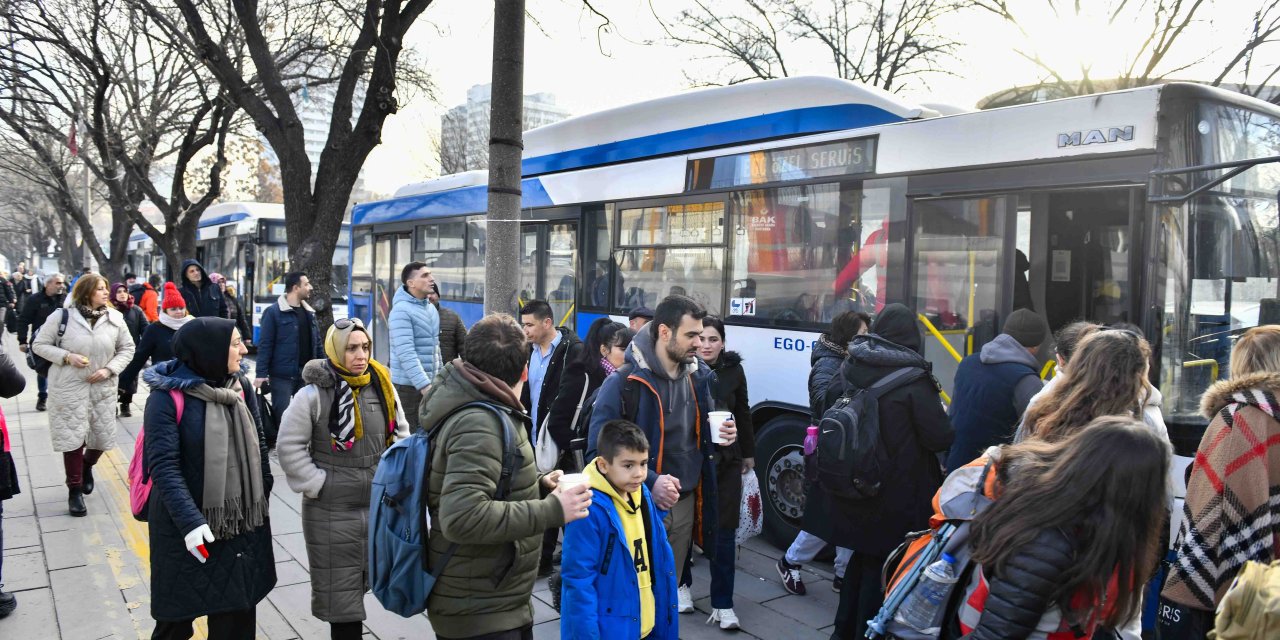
(1208, 362)
(566, 315)
(968, 342)
(945, 398)
(938, 334)
(1048, 368)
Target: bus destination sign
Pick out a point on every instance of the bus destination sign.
(846, 157)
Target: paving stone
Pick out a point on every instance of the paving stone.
(284, 520)
(34, 618)
(547, 631)
(294, 604)
(294, 545)
(89, 604)
(542, 611)
(66, 549)
(48, 495)
(817, 607)
(20, 505)
(757, 621)
(25, 571)
(46, 470)
(290, 572)
(272, 625)
(21, 532)
(384, 625)
(281, 554)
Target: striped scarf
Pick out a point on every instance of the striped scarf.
(346, 421)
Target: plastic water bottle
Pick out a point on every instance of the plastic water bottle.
(919, 608)
(811, 440)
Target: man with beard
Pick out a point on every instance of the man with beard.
(666, 389)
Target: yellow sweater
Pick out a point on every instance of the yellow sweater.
(629, 512)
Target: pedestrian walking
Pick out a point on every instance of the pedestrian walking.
(204, 299)
(728, 393)
(453, 333)
(1231, 511)
(1066, 549)
(604, 351)
(414, 330)
(12, 382)
(331, 439)
(156, 344)
(135, 321)
(235, 311)
(34, 313)
(134, 285)
(289, 338)
(631, 593)
(149, 301)
(8, 299)
(994, 386)
(914, 429)
(673, 399)
(484, 590)
(86, 364)
(210, 535)
(824, 366)
(21, 284)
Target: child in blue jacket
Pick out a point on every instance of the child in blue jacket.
(618, 572)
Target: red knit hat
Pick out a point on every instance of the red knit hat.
(173, 299)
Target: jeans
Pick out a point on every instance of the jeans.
(282, 390)
(42, 384)
(233, 625)
(807, 547)
(74, 462)
(411, 400)
(723, 569)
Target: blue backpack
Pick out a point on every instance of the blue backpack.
(399, 568)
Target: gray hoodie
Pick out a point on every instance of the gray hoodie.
(680, 454)
(1005, 349)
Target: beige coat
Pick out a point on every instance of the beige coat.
(81, 413)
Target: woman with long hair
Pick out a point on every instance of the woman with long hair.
(331, 438)
(136, 321)
(210, 533)
(1230, 513)
(603, 353)
(1069, 544)
(1108, 378)
(86, 361)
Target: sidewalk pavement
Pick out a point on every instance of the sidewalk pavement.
(89, 578)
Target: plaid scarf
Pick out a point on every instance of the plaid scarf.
(1232, 510)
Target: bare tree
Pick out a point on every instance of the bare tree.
(30, 223)
(355, 48)
(877, 42)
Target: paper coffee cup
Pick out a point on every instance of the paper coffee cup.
(571, 480)
(716, 420)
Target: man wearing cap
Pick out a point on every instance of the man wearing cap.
(639, 317)
(994, 386)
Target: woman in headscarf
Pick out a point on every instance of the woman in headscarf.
(211, 549)
(86, 361)
(135, 321)
(331, 438)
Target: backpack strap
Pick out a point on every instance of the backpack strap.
(897, 378)
(630, 397)
(62, 324)
(586, 384)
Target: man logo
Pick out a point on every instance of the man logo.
(1095, 136)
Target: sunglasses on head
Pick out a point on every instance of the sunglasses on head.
(347, 323)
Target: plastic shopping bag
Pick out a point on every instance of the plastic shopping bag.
(751, 512)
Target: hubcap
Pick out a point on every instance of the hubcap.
(785, 486)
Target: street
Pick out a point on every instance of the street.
(88, 578)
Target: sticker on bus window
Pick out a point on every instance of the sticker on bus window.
(1061, 265)
(742, 306)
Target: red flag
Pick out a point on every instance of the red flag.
(71, 140)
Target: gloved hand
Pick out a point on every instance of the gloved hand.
(196, 541)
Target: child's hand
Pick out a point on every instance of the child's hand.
(575, 502)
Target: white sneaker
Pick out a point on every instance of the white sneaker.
(685, 604)
(726, 617)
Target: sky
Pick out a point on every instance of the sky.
(566, 55)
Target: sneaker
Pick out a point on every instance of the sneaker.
(726, 617)
(41, 404)
(7, 603)
(685, 599)
(790, 574)
(837, 583)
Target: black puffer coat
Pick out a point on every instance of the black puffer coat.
(241, 571)
(729, 392)
(824, 366)
(1019, 597)
(913, 430)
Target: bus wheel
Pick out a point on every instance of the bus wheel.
(780, 470)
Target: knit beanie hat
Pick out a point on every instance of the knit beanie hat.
(1027, 327)
(173, 299)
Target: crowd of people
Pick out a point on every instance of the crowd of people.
(628, 456)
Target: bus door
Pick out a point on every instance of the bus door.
(549, 267)
(390, 253)
(1089, 270)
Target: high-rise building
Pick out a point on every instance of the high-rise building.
(464, 129)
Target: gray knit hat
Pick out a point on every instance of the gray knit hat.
(1027, 327)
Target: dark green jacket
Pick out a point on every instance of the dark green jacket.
(486, 587)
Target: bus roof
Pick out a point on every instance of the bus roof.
(228, 212)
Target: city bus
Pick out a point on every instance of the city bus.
(781, 204)
(246, 242)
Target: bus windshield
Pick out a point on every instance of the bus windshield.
(1231, 251)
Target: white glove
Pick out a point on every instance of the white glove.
(196, 541)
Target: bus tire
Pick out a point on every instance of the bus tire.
(780, 470)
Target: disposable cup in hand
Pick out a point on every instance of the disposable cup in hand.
(571, 480)
(717, 420)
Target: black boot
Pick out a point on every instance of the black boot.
(7, 603)
(75, 503)
(125, 412)
(40, 404)
(86, 485)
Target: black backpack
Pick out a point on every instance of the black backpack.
(37, 363)
(582, 425)
(851, 456)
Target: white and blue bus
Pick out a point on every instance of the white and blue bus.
(780, 204)
(246, 242)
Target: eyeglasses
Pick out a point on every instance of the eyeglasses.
(347, 323)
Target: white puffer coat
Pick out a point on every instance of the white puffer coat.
(81, 413)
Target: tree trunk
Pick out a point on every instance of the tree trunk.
(501, 262)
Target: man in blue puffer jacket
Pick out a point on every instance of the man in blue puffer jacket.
(288, 339)
(415, 338)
